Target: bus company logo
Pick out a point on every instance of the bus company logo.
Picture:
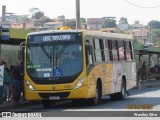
(67, 86)
(6, 114)
(53, 87)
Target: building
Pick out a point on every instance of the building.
(95, 23)
(123, 26)
(53, 25)
(141, 34)
(61, 18)
(137, 25)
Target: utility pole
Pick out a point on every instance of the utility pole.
(151, 33)
(78, 26)
(3, 13)
(3, 20)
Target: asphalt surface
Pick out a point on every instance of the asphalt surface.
(11, 106)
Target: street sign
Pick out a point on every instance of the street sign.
(5, 31)
(1, 75)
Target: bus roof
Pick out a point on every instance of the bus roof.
(88, 33)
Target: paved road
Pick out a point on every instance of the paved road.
(146, 96)
(143, 97)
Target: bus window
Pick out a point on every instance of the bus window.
(110, 50)
(131, 46)
(121, 50)
(114, 50)
(89, 52)
(102, 49)
(98, 54)
(106, 51)
(128, 51)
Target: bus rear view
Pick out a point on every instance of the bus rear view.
(54, 67)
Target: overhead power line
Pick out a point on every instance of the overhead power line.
(141, 6)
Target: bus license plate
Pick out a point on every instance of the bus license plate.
(54, 98)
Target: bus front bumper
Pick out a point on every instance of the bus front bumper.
(80, 93)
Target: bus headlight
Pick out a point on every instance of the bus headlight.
(30, 87)
(79, 84)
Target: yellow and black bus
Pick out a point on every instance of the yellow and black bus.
(78, 65)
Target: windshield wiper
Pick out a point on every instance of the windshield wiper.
(43, 49)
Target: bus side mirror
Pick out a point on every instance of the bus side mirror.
(20, 55)
(20, 52)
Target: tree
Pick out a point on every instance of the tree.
(123, 20)
(156, 32)
(25, 18)
(33, 11)
(109, 23)
(154, 24)
(83, 20)
(46, 19)
(70, 23)
(36, 13)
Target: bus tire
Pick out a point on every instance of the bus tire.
(46, 103)
(122, 94)
(97, 99)
(78, 101)
(114, 96)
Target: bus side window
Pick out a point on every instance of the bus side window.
(114, 50)
(106, 51)
(131, 46)
(121, 50)
(110, 49)
(89, 53)
(128, 51)
(97, 50)
(101, 43)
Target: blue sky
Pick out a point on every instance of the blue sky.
(89, 8)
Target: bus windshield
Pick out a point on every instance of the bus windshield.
(54, 59)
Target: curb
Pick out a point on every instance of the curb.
(12, 106)
(148, 84)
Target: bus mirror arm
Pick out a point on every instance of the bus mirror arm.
(22, 45)
(20, 52)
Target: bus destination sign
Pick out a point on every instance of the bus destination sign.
(57, 37)
(52, 38)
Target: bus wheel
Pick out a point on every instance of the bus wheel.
(114, 96)
(122, 94)
(46, 103)
(78, 101)
(97, 99)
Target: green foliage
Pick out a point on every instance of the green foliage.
(155, 32)
(25, 18)
(123, 20)
(109, 23)
(33, 10)
(38, 15)
(83, 20)
(158, 42)
(70, 23)
(154, 24)
(19, 33)
(46, 19)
